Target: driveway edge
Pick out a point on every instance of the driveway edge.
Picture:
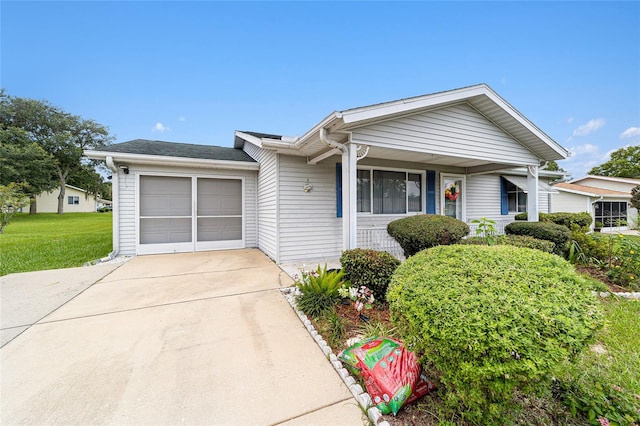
(362, 398)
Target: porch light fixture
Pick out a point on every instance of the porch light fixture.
(125, 169)
(307, 186)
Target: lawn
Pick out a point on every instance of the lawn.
(52, 241)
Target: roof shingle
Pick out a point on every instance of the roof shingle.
(174, 149)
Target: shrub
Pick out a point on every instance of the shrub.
(582, 219)
(492, 318)
(369, 268)
(319, 290)
(524, 216)
(415, 233)
(514, 240)
(557, 234)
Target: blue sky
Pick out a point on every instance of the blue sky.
(196, 71)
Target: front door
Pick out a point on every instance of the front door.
(452, 199)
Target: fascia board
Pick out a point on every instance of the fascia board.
(172, 161)
(608, 178)
(407, 105)
(249, 138)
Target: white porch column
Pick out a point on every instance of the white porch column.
(346, 211)
(352, 183)
(532, 196)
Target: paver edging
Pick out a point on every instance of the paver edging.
(362, 398)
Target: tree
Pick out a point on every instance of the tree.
(624, 163)
(635, 197)
(553, 166)
(22, 160)
(11, 200)
(62, 136)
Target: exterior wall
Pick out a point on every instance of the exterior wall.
(128, 198)
(572, 203)
(308, 226)
(267, 199)
(457, 130)
(607, 184)
(47, 202)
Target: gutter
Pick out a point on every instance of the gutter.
(333, 144)
(115, 192)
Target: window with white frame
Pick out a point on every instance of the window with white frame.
(517, 198)
(388, 191)
(73, 199)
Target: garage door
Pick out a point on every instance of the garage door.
(181, 214)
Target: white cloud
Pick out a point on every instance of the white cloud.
(590, 127)
(182, 119)
(583, 149)
(570, 120)
(159, 127)
(630, 133)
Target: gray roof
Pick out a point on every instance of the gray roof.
(175, 149)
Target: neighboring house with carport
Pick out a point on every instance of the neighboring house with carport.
(606, 198)
(464, 153)
(77, 200)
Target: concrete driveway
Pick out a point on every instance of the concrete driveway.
(198, 338)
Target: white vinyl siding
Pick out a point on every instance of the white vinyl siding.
(128, 198)
(572, 203)
(308, 226)
(267, 199)
(458, 130)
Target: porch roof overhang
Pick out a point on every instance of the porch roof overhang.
(522, 183)
(481, 97)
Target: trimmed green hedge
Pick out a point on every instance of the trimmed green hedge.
(419, 232)
(370, 268)
(557, 234)
(582, 219)
(492, 319)
(514, 240)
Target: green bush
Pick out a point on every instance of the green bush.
(319, 290)
(523, 216)
(514, 240)
(415, 233)
(582, 219)
(369, 268)
(490, 319)
(557, 234)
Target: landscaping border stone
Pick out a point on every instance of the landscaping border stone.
(362, 398)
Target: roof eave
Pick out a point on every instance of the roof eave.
(164, 160)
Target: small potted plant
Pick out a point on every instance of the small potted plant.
(598, 226)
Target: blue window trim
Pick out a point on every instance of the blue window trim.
(431, 192)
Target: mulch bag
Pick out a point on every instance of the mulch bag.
(391, 373)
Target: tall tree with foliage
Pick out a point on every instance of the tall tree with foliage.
(22, 160)
(62, 136)
(624, 163)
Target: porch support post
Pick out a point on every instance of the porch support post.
(346, 211)
(352, 182)
(532, 196)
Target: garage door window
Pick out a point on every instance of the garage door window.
(165, 210)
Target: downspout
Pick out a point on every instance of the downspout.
(115, 184)
(346, 196)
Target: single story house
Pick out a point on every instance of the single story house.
(77, 200)
(465, 153)
(606, 198)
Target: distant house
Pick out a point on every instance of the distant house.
(464, 153)
(606, 198)
(76, 201)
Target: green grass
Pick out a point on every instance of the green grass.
(621, 339)
(52, 241)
